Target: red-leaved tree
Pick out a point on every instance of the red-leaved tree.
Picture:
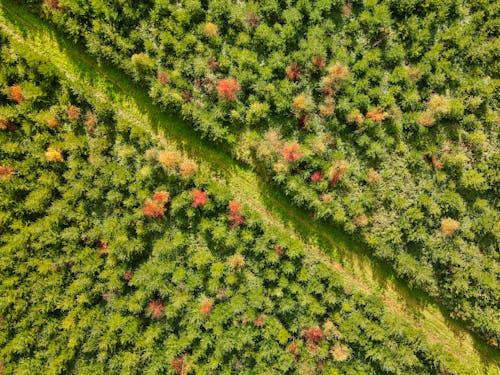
(313, 334)
(199, 198)
(206, 306)
(156, 308)
(317, 176)
(228, 89)
(235, 216)
(293, 71)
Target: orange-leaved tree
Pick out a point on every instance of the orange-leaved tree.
(199, 198)
(291, 152)
(156, 308)
(15, 93)
(235, 216)
(228, 89)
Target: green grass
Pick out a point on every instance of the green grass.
(344, 252)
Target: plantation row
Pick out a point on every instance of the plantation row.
(119, 255)
(380, 116)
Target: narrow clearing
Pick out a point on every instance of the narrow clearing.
(343, 254)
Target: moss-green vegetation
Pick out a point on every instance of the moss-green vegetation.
(380, 116)
(121, 256)
(77, 67)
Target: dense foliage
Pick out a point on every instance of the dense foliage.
(118, 255)
(381, 116)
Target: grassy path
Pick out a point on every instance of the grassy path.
(344, 254)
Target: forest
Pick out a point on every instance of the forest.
(128, 258)
(379, 116)
(122, 253)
